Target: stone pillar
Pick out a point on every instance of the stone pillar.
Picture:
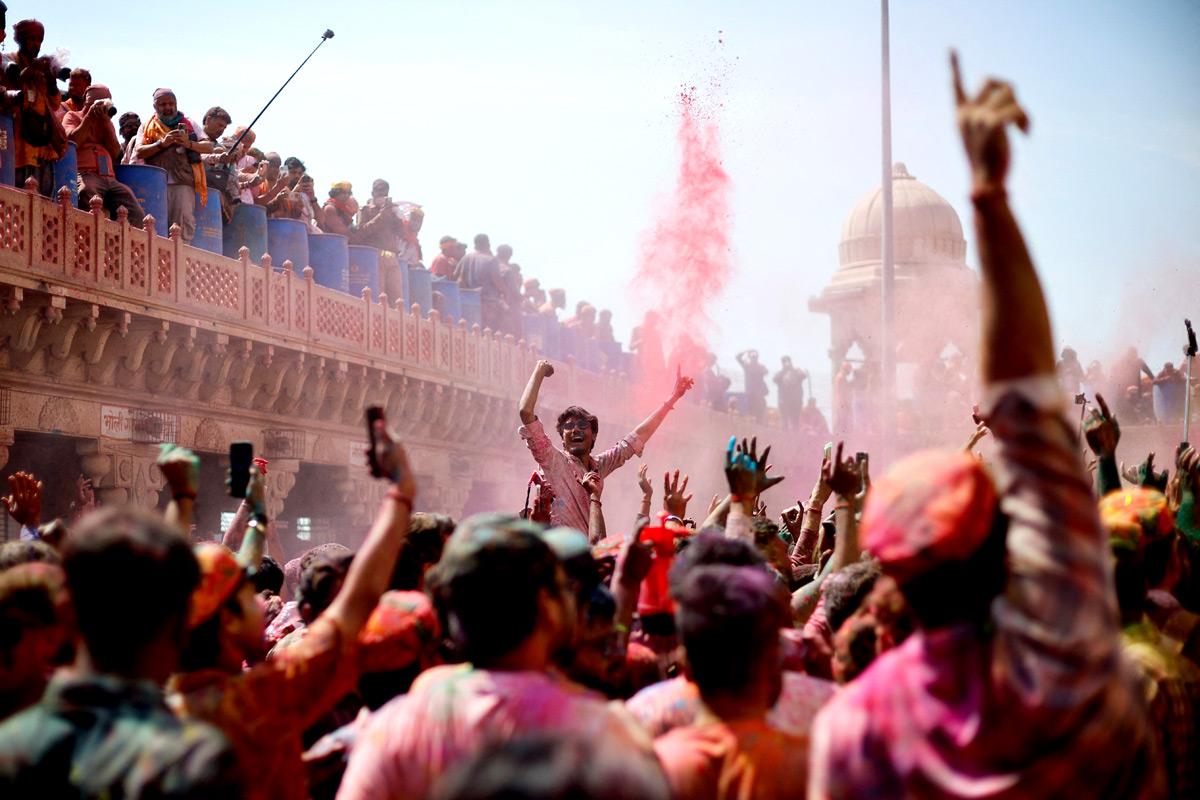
(6, 441)
(360, 495)
(281, 477)
(126, 473)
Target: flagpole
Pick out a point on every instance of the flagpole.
(887, 349)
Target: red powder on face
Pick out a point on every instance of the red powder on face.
(685, 260)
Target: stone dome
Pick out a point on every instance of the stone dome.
(926, 228)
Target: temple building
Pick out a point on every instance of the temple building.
(935, 292)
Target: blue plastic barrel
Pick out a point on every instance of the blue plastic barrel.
(248, 228)
(364, 269)
(451, 307)
(471, 305)
(8, 155)
(1168, 402)
(210, 226)
(149, 186)
(287, 240)
(329, 257)
(420, 288)
(66, 173)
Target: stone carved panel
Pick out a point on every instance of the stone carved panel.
(59, 414)
(210, 437)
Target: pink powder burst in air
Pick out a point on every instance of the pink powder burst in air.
(685, 258)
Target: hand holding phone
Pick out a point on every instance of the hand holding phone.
(241, 456)
(374, 414)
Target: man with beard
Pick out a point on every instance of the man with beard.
(171, 141)
(565, 469)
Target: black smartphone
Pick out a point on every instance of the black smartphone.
(241, 456)
(374, 414)
(860, 457)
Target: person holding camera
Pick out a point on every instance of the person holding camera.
(169, 140)
(96, 147)
(32, 98)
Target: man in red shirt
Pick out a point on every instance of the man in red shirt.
(444, 263)
(97, 149)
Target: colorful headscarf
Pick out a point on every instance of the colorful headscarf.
(930, 508)
(1136, 517)
(403, 630)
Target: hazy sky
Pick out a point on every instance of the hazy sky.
(551, 126)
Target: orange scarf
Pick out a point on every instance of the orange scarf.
(155, 131)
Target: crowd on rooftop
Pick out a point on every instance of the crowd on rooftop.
(1023, 626)
(217, 156)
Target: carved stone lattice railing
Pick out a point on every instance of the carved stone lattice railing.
(75, 249)
(48, 246)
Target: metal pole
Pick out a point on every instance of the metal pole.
(1187, 402)
(327, 35)
(1189, 352)
(888, 267)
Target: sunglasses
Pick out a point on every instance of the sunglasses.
(576, 425)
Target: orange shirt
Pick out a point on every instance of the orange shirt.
(742, 760)
(264, 710)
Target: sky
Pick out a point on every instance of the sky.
(552, 126)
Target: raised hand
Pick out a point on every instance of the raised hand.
(981, 430)
(793, 519)
(1146, 477)
(683, 384)
(713, 504)
(24, 501)
(256, 490)
(1101, 430)
(180, 468)
(634, 562)
(85, 496)
(675, 499)
(760, 508)
(393, 461)
(842, 476)
(593, 484)
(740, 471)
(544, 369)
(644, 482)
(746, 471)
(982, 122)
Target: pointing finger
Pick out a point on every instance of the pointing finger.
(960, 96)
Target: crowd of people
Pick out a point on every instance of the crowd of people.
(216, 156)
(1020, 628)
(1140, 395)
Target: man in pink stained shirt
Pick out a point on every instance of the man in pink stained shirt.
(565, 469)
(1012, 685)
(505, 596)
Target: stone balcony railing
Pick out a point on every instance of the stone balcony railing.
(98, 311)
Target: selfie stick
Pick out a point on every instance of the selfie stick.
(1189, 350)
(328, 34)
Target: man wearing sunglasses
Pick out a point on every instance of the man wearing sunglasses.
(566, 469)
